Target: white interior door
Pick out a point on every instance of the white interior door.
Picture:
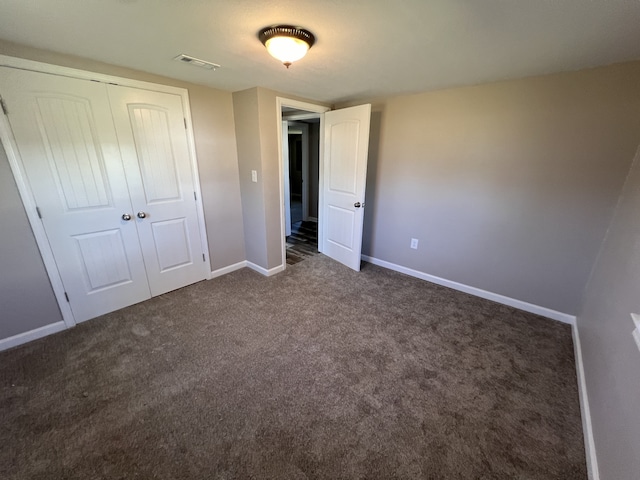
(346, 145)
(69, 150)
(153, 141)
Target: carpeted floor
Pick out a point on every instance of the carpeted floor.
(315, 373)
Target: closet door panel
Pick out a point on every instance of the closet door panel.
(155, 150)
(68, 147)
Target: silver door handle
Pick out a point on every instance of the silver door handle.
(142, 215)
(126, 217)
(357, 205)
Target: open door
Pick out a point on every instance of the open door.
(346, 145)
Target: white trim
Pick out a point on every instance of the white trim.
(300, 116)
(10, 146)
(23, 64)
(587, 428)
(512, 302)
(319, 110)
(264, 271)
(31, 335)
(231, 268)
(202, 226)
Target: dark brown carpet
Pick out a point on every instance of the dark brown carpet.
(319, 372)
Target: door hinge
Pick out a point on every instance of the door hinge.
(185, 123)
(195, 197)
(66, 296)
(4, 106)
(39, 213)
(203, 258)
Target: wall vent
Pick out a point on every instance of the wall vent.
(196, 62)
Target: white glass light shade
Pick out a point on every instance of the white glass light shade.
(287, 49)
(286, 42)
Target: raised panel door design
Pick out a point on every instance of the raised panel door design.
(64, 132)
(340, 226)
(343, 149)
(155, 153)
(70, 140)
(104, 259)
(157, 162)
(171, 241)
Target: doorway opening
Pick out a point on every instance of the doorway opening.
(343, 150)
(300, 135)
(303, 148)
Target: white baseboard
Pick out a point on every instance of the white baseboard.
(313, 219)
(587, 429)
(264, 271)
(31, 335)
(512, 302)
(231, 268)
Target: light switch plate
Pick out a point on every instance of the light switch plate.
(254, 176)
(636, 332)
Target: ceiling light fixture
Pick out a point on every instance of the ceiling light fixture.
(286, 43)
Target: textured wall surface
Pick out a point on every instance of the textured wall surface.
(509, 186)
(26, 298)
(611, 357)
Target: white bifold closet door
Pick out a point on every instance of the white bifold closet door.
(109, 169)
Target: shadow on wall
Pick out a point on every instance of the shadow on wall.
(372, 175)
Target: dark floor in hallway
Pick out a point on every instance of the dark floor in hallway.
(303, 242)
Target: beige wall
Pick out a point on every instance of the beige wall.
(26, 297)
(258, 150)
(214, 132)
(509, 187)
(611, 358)
(247, 122)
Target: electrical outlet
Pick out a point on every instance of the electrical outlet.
(414, 243)
(254, 176)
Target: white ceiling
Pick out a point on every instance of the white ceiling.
(364, 48)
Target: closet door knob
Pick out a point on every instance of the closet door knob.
(142, 215)
(126, 217)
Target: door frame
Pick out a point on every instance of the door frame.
(24, 189)
(317, 111)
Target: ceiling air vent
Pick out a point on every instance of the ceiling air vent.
(196, 62)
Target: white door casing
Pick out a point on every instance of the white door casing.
(70, 167)
(314, 111)
(72, 161)
(346, 145)
(151, 132)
